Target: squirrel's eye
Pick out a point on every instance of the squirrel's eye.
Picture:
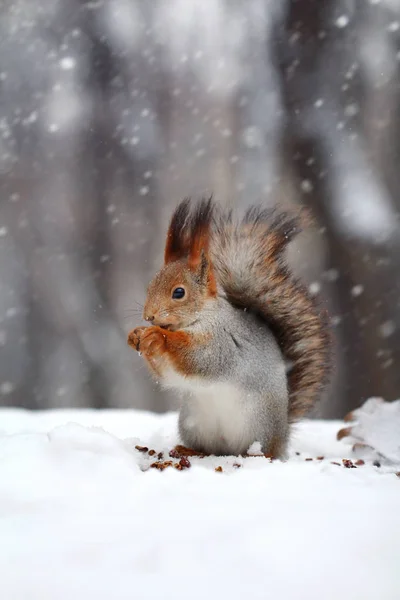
(178, 293)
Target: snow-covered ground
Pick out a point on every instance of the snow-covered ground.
(82, 518)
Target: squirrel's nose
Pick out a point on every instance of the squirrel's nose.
(149, 318)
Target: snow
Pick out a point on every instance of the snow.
(357, 290)
(377, 423)
(306, 186)
(387, 329)
(314, 288)
(6, 387)
(67, 63)
(394, 26)
(351, 110)
(81, 517)
(342, 21)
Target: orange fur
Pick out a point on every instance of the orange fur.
(211, 283)
(164, 349)
(188, 238)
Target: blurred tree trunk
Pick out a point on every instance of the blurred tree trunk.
(112, 111)
(327, 95)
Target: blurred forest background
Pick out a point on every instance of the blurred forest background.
(113, 110)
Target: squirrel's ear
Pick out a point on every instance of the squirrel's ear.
(204, 273)
(177, 245)
(198, 260)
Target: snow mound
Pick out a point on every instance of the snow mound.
(83, 515)
(378, 426)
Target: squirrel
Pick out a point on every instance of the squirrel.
(226, 318)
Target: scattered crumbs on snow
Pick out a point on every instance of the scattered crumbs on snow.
(74, 482)
(318, 103)
(144, 190)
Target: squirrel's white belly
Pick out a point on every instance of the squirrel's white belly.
(214, 415)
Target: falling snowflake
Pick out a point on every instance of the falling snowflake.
(342, 21)
(387, 329)
(394, 26)
(67, 63)
(306, 186)
(6, 388)
(314, 288)
(357, 290)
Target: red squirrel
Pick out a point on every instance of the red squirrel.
(226, 317)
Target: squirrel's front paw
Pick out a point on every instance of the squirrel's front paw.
(135, 337)
(152, 341)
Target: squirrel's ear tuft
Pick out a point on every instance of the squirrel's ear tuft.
(200, 231)
(178, 242)
(204, 274)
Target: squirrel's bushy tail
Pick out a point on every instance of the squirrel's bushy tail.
(249, 261)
